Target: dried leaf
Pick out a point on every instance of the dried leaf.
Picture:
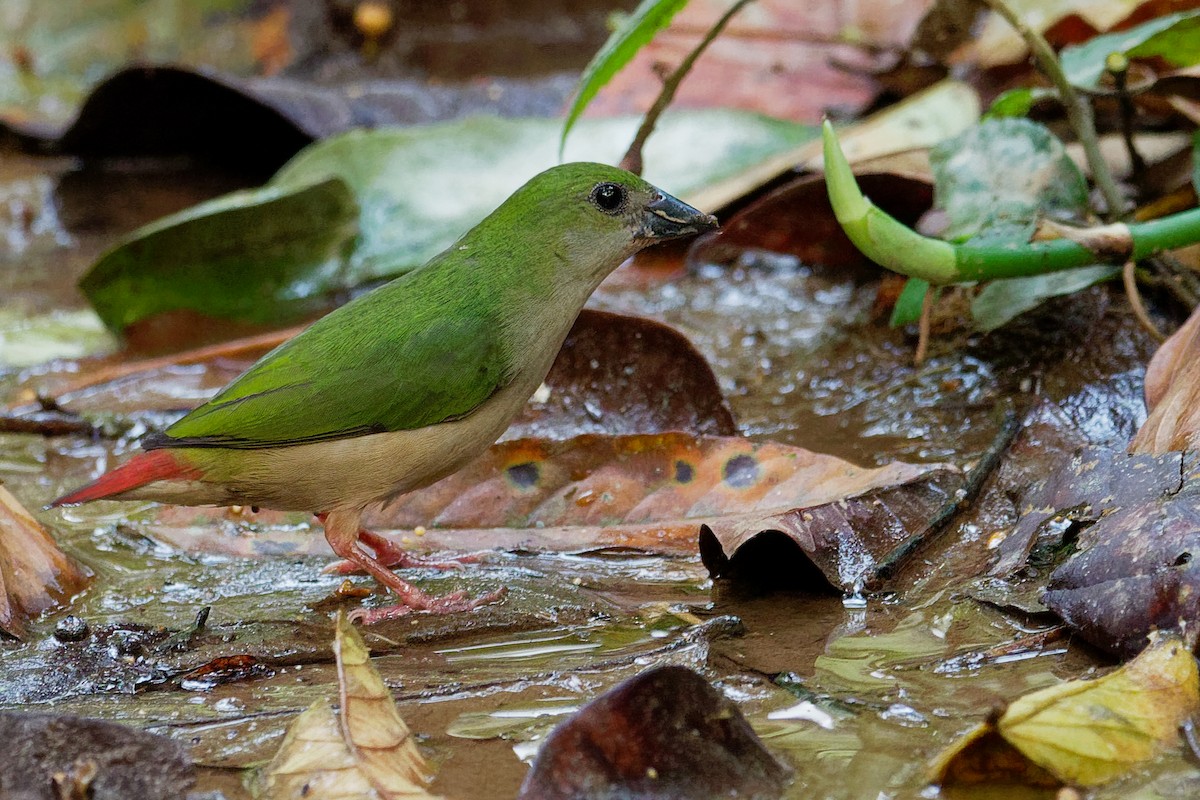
(1088, 732)
(35, 575)
(1173, 394)
(1136, 573)
(1085, 732)
(365, 751)
(650, 492)
(664, 734)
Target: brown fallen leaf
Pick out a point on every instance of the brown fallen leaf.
(35, 575)
(664, 734)
(365, 751)
(1173, 394)
(1136, 573)
(796, 219)
(1083, 733)
(614, 374)
(655, 493)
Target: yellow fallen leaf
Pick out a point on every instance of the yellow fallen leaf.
(1089, 732)
(1082, 732)
(314, 762)
(372, 726)
(363, 752)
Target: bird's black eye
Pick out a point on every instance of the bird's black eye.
(609, 197)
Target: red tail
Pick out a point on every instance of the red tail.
(144, 468)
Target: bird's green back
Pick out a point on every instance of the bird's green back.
(430, 346)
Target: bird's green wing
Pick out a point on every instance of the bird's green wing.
(381, 363)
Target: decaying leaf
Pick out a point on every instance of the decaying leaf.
(363, 752)
(1136, 573)
(619, 374)
(1173, 394)
(49, 755)
(1079, 486)
(1084, 732)
(35, 575)
(648, 492)
(664, 734)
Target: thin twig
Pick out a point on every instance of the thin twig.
(633, 156)
(1129, 278)
(1118, 66)
(924, 323)
(1178, 279)
(1079, 112)
(1010, 425)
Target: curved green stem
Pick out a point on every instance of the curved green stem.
(891, 244)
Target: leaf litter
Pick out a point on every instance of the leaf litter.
(872, 739)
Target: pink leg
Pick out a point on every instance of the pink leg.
(393, 556)
(342, 531)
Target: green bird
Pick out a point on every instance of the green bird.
(410, 382)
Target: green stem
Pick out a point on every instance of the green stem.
(632, 160)
(888, 242)
(1079, 112)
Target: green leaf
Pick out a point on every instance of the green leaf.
(1175, 37)
(370, 205)
(241, 256)
(72, 45)
(908, 304)
(996, 179)
(647, 19)
(1001, 301)
(1017, 102)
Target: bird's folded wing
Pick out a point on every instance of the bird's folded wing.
(353, 376)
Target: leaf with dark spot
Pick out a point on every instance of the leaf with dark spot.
(594, 492)
(664, 734)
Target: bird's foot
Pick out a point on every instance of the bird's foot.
(416, 600)
(393, 556)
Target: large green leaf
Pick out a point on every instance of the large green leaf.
(1175, 37)
(994, 182)
(647, 19)
(368, 205)
(242, 256)
(996, 179)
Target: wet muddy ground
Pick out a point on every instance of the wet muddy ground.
(888, 680)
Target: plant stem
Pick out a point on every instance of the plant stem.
(893, 245)
(632, 160)
(1079, 112)
(1118, 66)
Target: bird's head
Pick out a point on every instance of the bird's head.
(593, 216)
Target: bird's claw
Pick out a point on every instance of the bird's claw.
(446, 604)
(393, 556)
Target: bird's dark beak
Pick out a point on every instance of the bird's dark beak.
(669, 218)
